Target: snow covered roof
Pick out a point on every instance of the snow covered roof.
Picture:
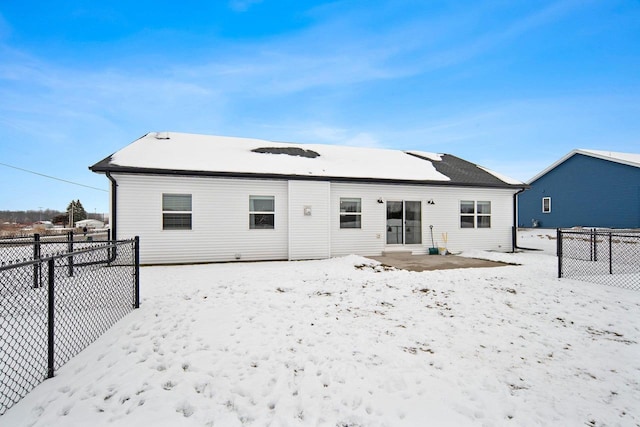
(629, 159)
(193, 154)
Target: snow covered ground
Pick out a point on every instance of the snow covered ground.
(345, 342)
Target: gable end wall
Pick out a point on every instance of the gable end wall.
(585, 191)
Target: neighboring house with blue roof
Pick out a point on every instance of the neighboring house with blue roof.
(588, 188)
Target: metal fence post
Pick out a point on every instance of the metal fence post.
(51, 315)
(136, 256)
(610, 254)
(111, 252)
(595, 245)
(36, 255)
(559, 251)
(70, 250)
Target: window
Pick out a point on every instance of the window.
(176, 211)
(467, 214)
(483, 220)
(546, 204)
(475, 214)
(261, 212)
(350, 213)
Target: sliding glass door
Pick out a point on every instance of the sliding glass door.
(395, 219)
(404, 222)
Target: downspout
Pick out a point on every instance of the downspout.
(114, 206)
(514, 230)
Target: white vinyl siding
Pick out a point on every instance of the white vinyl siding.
(369, 238)
(309, 220)
(443, 214)
(306, 218)
(220, 209)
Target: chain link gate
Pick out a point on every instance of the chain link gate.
(605, 256)
(53, 306)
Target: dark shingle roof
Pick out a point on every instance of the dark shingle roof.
(462, 171)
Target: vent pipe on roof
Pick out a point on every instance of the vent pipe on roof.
(162, 135)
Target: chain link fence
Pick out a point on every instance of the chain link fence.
(54, 302)
(605, 256)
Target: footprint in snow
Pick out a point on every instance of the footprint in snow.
(185, 409)
(65, 410)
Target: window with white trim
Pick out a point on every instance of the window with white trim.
(262, 212)
(467, 214)
(350, 212)
(176, 211)
(475, 214)
(546, 205)
(483, 217)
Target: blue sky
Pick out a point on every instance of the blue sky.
(512, 86)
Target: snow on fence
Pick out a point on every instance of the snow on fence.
(605, 256)
(56, 298)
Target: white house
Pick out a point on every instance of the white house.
(43, 224)
(198, 198)
(89, 223)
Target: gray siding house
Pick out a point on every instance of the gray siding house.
(200, 198)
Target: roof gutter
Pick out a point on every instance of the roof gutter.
(114, 206)
(251, 175)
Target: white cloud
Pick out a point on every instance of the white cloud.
(346, 49)
(313, 58)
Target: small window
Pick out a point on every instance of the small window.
(261, 212)
(350, 213)
(546, 204)
(483, 219)
(475, 214)
(176, 211)
(467, 214)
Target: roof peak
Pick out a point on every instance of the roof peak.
(629, 159)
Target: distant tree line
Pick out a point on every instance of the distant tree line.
(55, 216)
(30, 216)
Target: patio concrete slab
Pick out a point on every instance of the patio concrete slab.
(406, 261)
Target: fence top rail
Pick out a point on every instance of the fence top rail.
(16, 242)
(4, 265)
(31, 242)
(95, 247)
(599, 231)
(51, 235)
